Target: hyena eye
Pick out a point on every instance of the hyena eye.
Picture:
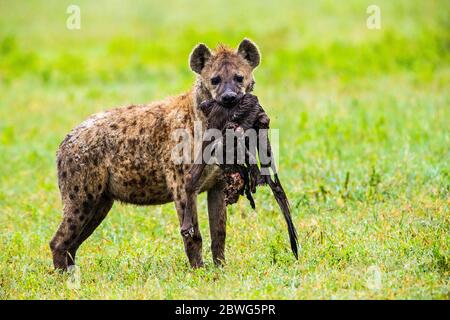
(215, 81)
(239, 78)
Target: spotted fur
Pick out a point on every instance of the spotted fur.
(124, 154)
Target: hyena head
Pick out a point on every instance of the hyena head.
(225, 74)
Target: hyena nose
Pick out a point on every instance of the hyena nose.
(229, 98)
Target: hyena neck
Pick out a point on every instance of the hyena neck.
(200, 94)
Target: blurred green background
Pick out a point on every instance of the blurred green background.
(364, 147)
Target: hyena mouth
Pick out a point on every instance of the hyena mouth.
(231, 103)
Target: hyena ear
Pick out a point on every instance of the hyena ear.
(198, 58)
(249, 52)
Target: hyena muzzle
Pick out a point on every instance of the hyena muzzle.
(125, 154)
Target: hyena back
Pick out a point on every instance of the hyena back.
(125, 154)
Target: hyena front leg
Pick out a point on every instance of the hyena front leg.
(186, 206)
(217, 213)
(191, 186)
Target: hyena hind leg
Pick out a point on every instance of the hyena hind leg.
(77, 225)
(100, 211)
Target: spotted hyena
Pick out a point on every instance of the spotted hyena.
(124, 154)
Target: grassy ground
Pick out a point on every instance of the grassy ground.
(364, 147)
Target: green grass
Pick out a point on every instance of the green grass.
(370, 107)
